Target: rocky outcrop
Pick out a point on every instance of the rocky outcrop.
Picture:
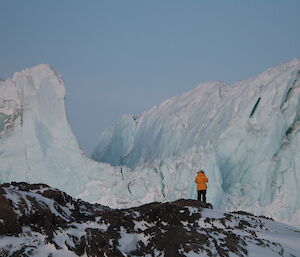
(40, 207)
(43, 221)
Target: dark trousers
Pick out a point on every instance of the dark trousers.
(202, 195)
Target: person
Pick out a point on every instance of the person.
(201, 181)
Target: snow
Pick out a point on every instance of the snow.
(34, 243)
(127, 242)
(193, 254)
(216, 214)
(16, 198)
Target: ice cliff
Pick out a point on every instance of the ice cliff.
(36, 142)
(245, 135)
(38, 146)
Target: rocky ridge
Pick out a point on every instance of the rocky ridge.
(37, 220)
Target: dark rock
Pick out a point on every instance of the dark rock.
(171, 229)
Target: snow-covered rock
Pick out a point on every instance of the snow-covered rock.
(37, 220)
(245, 135)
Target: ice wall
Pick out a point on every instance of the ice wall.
(245, 136)
(38, 146)
(36, 142)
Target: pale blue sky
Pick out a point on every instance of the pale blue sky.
(124, 56)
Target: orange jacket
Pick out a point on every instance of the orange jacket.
(201, 180)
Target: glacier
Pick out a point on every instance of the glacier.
(36, 141)
(37, 146)
(244, 135)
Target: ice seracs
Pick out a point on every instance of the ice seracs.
(245, 135)
(38, 146)
(36, 142)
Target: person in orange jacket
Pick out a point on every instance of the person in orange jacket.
(201, 181)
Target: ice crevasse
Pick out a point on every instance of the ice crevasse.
(244, 135)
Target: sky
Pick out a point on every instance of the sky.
(123, 57)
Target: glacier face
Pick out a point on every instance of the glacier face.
(37, 146)
(245, 135)
(251, 162)
(36, 142)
